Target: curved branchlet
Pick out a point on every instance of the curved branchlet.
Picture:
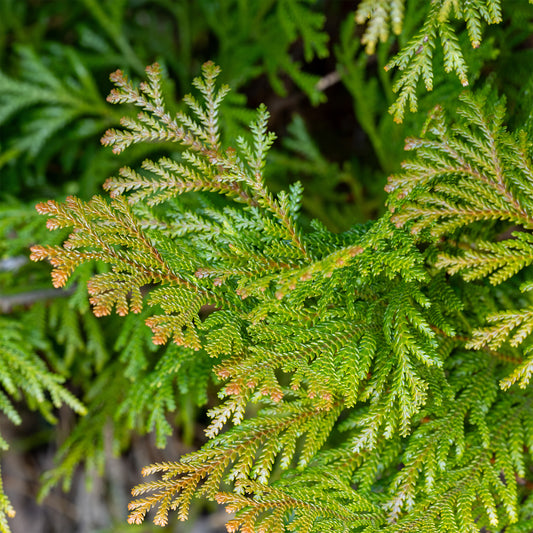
(381, 17)
(415, 60)
(246, 451)
(204, 164)
(470, 172)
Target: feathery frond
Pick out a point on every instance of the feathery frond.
(339, 356)
(415, 59)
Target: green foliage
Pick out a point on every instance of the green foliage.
(415, 58)
(51, 113)
(358, 353)
(24, 376)
(49, 88)
(375, 378)
(482, 173)
(381, 17)
(56, 103)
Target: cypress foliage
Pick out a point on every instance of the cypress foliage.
(376, 379)
(358, 349)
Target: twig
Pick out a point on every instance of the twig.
(7, 303)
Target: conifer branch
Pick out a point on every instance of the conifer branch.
(464, 173)
(249, 447)
(380, 15)
(267, 508)
(205, 165)
(109, 233)
(313, 327)
(415, 60)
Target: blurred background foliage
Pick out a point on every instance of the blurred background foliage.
(329, 105)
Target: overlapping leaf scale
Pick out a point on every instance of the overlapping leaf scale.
(293, 501)
(181, 480)
(225, 334)
(497, 261)
(491, 448)
(462, 174)
(415, 59)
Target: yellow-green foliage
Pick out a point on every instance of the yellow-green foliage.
(415, 59)
(357, 351)
(376, 379)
